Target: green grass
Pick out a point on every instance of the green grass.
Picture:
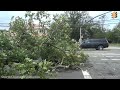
(115, 44)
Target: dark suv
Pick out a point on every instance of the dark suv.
(98, 44)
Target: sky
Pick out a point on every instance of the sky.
(5, 17)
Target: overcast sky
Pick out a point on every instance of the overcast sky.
(5, 17)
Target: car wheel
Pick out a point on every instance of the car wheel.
(100, 47)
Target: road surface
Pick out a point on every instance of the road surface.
(104, 64)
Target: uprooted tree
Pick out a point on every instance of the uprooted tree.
(27, 52)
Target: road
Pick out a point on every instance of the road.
(104, 64)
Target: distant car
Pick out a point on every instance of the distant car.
(98, 44)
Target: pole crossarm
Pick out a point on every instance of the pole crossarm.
(98, 16)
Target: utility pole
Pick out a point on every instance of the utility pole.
(80, 40)
(103, 21)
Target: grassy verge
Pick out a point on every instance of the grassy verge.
(115, 44)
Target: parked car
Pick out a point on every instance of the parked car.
(98, 44)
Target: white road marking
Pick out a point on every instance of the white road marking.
(86, 74)
(113, 48)
(93, 56)
(105, 56)
(109, 56)
(110, 53)
(104, 59)
(115, 59)
(98, 53)
(100, 63)
(110, 59)
(107, 53)
(112, 56)
(114, 69)
(117, 56)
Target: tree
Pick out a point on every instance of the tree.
(114, 34)
(76, 19)
(29, 55)
(60, 31)
(21, 51)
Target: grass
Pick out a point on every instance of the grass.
(115, 44)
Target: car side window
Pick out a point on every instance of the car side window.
(103, 40)
(87, 41)
(91, 41)
(96, 40)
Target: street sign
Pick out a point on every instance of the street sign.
(114, 14)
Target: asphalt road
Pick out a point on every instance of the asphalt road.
(102, 64)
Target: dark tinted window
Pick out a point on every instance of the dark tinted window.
(94, 40)
(98, 40)
(103, 40)
(87, 40)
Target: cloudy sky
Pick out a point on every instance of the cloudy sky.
(5, 17)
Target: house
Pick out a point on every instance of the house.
(40, 31)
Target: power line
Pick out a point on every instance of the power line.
(4, 23)
(4, 26)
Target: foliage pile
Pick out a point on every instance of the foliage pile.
(25, 53)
